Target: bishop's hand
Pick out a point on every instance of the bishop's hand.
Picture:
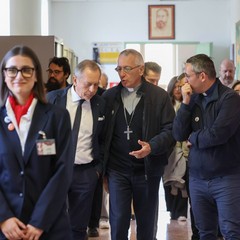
(143, 152)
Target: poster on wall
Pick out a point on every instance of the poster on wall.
(238, 50)
(161, 21)
(107, 52)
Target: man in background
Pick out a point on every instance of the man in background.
(102, 85)
(152, 72)
(58, 72)
(103, 82)
(227, 72)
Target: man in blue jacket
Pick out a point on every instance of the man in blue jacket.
(138, 141)
(209, 118)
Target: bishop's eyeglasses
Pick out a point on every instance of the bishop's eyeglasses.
(126, 69)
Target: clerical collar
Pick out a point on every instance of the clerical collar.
(130, 99)
(130, 89)
(210, 90)
(133, 89)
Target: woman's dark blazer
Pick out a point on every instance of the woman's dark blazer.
(34, 188)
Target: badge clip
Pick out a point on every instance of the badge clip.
(43, 134)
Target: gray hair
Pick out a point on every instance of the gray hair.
(87, 64)
(202, 63)
(139, 59)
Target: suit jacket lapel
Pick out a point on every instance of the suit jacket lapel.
(39, 120)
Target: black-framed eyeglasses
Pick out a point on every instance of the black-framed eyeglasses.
(12, 72)
(55, 72)
(126, 69)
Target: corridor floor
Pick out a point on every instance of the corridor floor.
(167, 229)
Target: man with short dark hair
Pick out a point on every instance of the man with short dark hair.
(58, 72)
(103, 82)
(152, 72)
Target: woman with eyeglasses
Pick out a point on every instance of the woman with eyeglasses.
(35, 153)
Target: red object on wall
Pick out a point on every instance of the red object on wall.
(113, 84)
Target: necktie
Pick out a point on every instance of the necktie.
(76, 123)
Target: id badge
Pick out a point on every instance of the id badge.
(46, 147)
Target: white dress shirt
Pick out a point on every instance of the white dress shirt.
(84, 143)
(25, 121)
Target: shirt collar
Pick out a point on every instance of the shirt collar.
(210, 90)
(75, 97)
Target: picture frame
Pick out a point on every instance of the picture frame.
(161, 22)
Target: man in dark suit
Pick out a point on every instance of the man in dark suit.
(87, 166)
(93, 224)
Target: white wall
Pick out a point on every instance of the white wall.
(28, 23)
(235, 17)
(80, 23)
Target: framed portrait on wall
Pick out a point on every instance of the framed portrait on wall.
(161, 21)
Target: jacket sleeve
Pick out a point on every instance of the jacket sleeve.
(223, 127)
(182, 123)
(164, 142)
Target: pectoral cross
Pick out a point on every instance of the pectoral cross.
(128, 131)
